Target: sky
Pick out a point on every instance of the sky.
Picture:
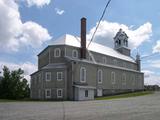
(28, 26)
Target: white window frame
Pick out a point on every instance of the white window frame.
(46, 78)
(61, 93)
(124, 79)
(76, 52)
(61, 74)
(113, 81)
(59, 52)
(83, 77)
(104, 60)
(100, 72)
(86, 95)
(46, 96)
(115, 62)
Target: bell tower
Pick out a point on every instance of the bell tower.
(121, 43)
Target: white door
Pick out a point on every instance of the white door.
(99, 92)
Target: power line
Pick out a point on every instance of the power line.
(153, 54)
(99, 22)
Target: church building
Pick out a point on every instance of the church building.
(69, 70)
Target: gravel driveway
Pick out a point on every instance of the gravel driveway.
(136, 108)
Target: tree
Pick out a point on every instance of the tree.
(13, 84)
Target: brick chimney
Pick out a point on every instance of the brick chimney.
(83, 38)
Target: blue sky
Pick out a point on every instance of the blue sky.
(28, 26)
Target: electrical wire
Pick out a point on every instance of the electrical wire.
(99, 22)
(147, 56)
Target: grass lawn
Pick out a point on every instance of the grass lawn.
(134, 94)
(8, 100)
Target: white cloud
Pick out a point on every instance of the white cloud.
(14, 33)
(34, 34)
(59, 11)
(38, 3)
(107, 31)
(155, 64)
(28, 67)
(147, 73)
(150, 78)
(156, 48)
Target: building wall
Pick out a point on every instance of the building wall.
(91, 77)
(99, 58)
(47, 56)
(80, 94)
(38, 85)
(43, 58)
(72, 73)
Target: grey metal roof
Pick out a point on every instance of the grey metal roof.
(95, 47)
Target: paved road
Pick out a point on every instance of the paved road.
(137, 108)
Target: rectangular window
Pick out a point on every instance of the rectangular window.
(57, 52)
(48, 76)
(113, 78)
(86, 93)
(48, 93)
(74, 54)
(59, 76)
(100, 76)
(59, 93)
(83, 74)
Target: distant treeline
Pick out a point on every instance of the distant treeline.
(152, 87)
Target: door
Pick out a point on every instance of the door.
(99, 92)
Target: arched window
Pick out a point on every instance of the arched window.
(57, 52)
(115, 62)
(100, 76)
(82, 74)
(74, 54)
(104, 60)
(113, 80)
